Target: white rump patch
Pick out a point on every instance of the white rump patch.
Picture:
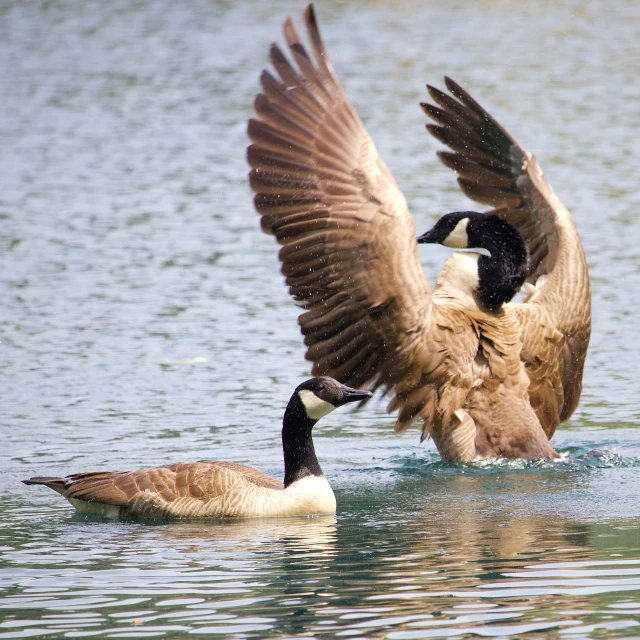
(314, 406)
(458, 238)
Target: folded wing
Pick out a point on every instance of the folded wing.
(495, 170)
(179, 489)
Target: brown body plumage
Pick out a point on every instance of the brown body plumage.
(205, 489)
(486, 382)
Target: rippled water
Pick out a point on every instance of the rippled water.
(144, 321)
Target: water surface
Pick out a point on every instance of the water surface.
(144, 321)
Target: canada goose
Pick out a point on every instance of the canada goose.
(211, 489)
(487, 376)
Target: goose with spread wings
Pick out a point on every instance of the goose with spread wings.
(487, 377)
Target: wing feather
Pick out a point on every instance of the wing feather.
(349, 249)
(203, 481)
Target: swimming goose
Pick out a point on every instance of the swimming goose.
(212, 489)
(487, 376)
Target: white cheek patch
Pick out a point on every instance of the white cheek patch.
(314, 406)
(458, 238)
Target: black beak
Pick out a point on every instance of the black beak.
(352, 395)
(427, 238)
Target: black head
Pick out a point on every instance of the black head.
(504, 263)
(321, 395)
(312, 400)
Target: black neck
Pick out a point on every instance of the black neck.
(297, 444)
(502, 274)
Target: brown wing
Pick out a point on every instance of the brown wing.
(349, 245)
(255, 476)
(204, 480)
(494, 169)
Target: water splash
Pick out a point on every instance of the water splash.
(570, 460)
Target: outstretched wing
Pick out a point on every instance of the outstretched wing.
(349, 244)
(494, 169)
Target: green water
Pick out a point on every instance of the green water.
(144, 321)
(485, 551)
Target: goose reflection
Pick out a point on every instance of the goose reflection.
(471, 538)
(467, 548)
(315, 536)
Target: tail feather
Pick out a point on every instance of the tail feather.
(47, 481)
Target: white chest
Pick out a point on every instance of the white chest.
(458, 278)
(311, 495)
